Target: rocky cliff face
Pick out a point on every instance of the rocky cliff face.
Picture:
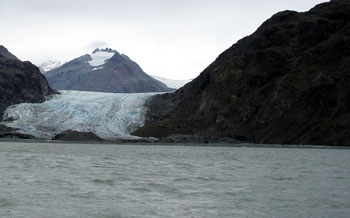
(103, 71)
(20, 81)
(287, 83)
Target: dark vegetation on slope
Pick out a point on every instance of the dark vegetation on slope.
(287, 83)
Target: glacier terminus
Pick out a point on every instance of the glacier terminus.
(108, 115)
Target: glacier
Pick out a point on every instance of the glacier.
(108, 115)
(172, 83)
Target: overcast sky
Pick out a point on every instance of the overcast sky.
(170, 38)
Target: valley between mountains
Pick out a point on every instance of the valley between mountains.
(286, 83)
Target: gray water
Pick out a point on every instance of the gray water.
(105, 180)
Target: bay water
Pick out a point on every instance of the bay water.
(111, 180)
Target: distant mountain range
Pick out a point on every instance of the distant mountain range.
(171, 83)
(105, 70)
(50, 65)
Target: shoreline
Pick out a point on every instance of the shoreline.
(182, 144)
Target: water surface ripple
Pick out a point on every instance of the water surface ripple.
(104, 180)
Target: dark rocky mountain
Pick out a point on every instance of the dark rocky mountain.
(20, 82)
(287, 83)
(104, 70)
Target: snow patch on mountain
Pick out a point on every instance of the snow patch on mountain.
(171, 83)
(50, 65)
(97, 68)
(100, 57)
(108, 115)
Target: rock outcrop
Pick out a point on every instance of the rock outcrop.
(104, 71)
(71, 135)
(20, 82)
(287, 83)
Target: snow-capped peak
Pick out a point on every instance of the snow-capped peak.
(100, 56)
(104, 50)
(50, 65)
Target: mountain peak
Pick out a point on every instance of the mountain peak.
(108, 50)
(105, 70)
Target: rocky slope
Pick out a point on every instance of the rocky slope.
(20, 82)
(287, 83)
(104, 70)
